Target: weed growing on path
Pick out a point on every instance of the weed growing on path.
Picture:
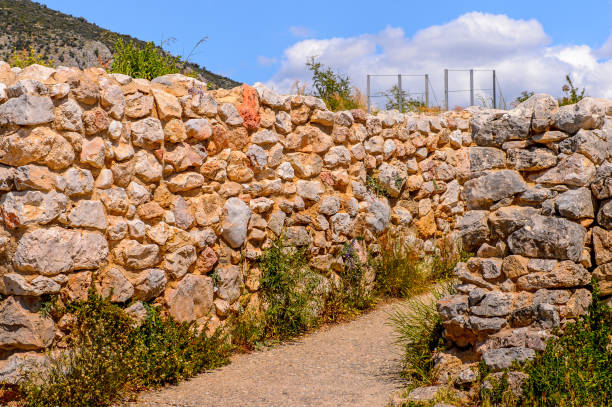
(402, 271)
(418, 329)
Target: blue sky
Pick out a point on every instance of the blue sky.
(267, 41)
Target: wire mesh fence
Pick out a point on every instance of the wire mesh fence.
(460, 88)
(471, 87)
(401, 91)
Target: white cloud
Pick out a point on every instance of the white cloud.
(606, 49)
(520, 51)
(300, 31)
(266, 61)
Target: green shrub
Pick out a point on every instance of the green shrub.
(497, 392)
(526, 94)
(247, 331)
(351, 296)
(401, 101)
(334, 88)
(576, 368)
(146, 62)
(571, 93)
(401, 271)
(418, 330)
(27, 57)
(109, 356)
(289, 288)
(168, 351)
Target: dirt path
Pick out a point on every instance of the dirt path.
(351, 364)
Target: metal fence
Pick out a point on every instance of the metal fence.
(496, 99)
(398, 89)
(463, 90)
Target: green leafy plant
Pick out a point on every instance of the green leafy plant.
(418, 329)
(400, 100)
(351, 296)
(26, 57)
(571, 93)
(526, 94)
(247, 331)
(402, 271)
(289, 288)
(109, 356)
(374, 185)
(494, 391)
(576, 368)
(146, 61)
(334, 88)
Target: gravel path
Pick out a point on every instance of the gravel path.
(350, 364)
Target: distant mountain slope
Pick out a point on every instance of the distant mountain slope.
(68, 40)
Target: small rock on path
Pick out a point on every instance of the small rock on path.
(350, 364)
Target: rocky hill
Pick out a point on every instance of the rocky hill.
(68, 40)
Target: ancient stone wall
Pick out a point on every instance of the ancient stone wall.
(537, 195)
(145, 190)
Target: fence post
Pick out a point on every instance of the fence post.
(471, 87)
(400, 97)
(494, 92)
(446, 89)
(368, 92)
(426, 90)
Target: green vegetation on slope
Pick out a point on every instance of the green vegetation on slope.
(68, 40)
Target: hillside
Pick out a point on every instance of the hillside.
(68, 40)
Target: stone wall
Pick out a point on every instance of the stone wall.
(145, 190)
(148, 189)
(538, 218)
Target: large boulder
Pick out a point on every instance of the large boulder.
(565, 274)
(24, 208)
(549, 238)
(235, 219)
(484, 191)
(508, 219)
(27, 110)
(574, 170)
(473, 229)
(540, 109)
(22, 326)
(133, 254)
(38, 145)
(378, 215)
(114, 285)
(149, 284)
(575, 204)
(392, 178)
(531, 160)
(230, 282)
(498, 359)
(492, 128)
(57, 250)
(602, 183)
(586, 114)
(604, 215)
(486, 158)
(192, 299)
